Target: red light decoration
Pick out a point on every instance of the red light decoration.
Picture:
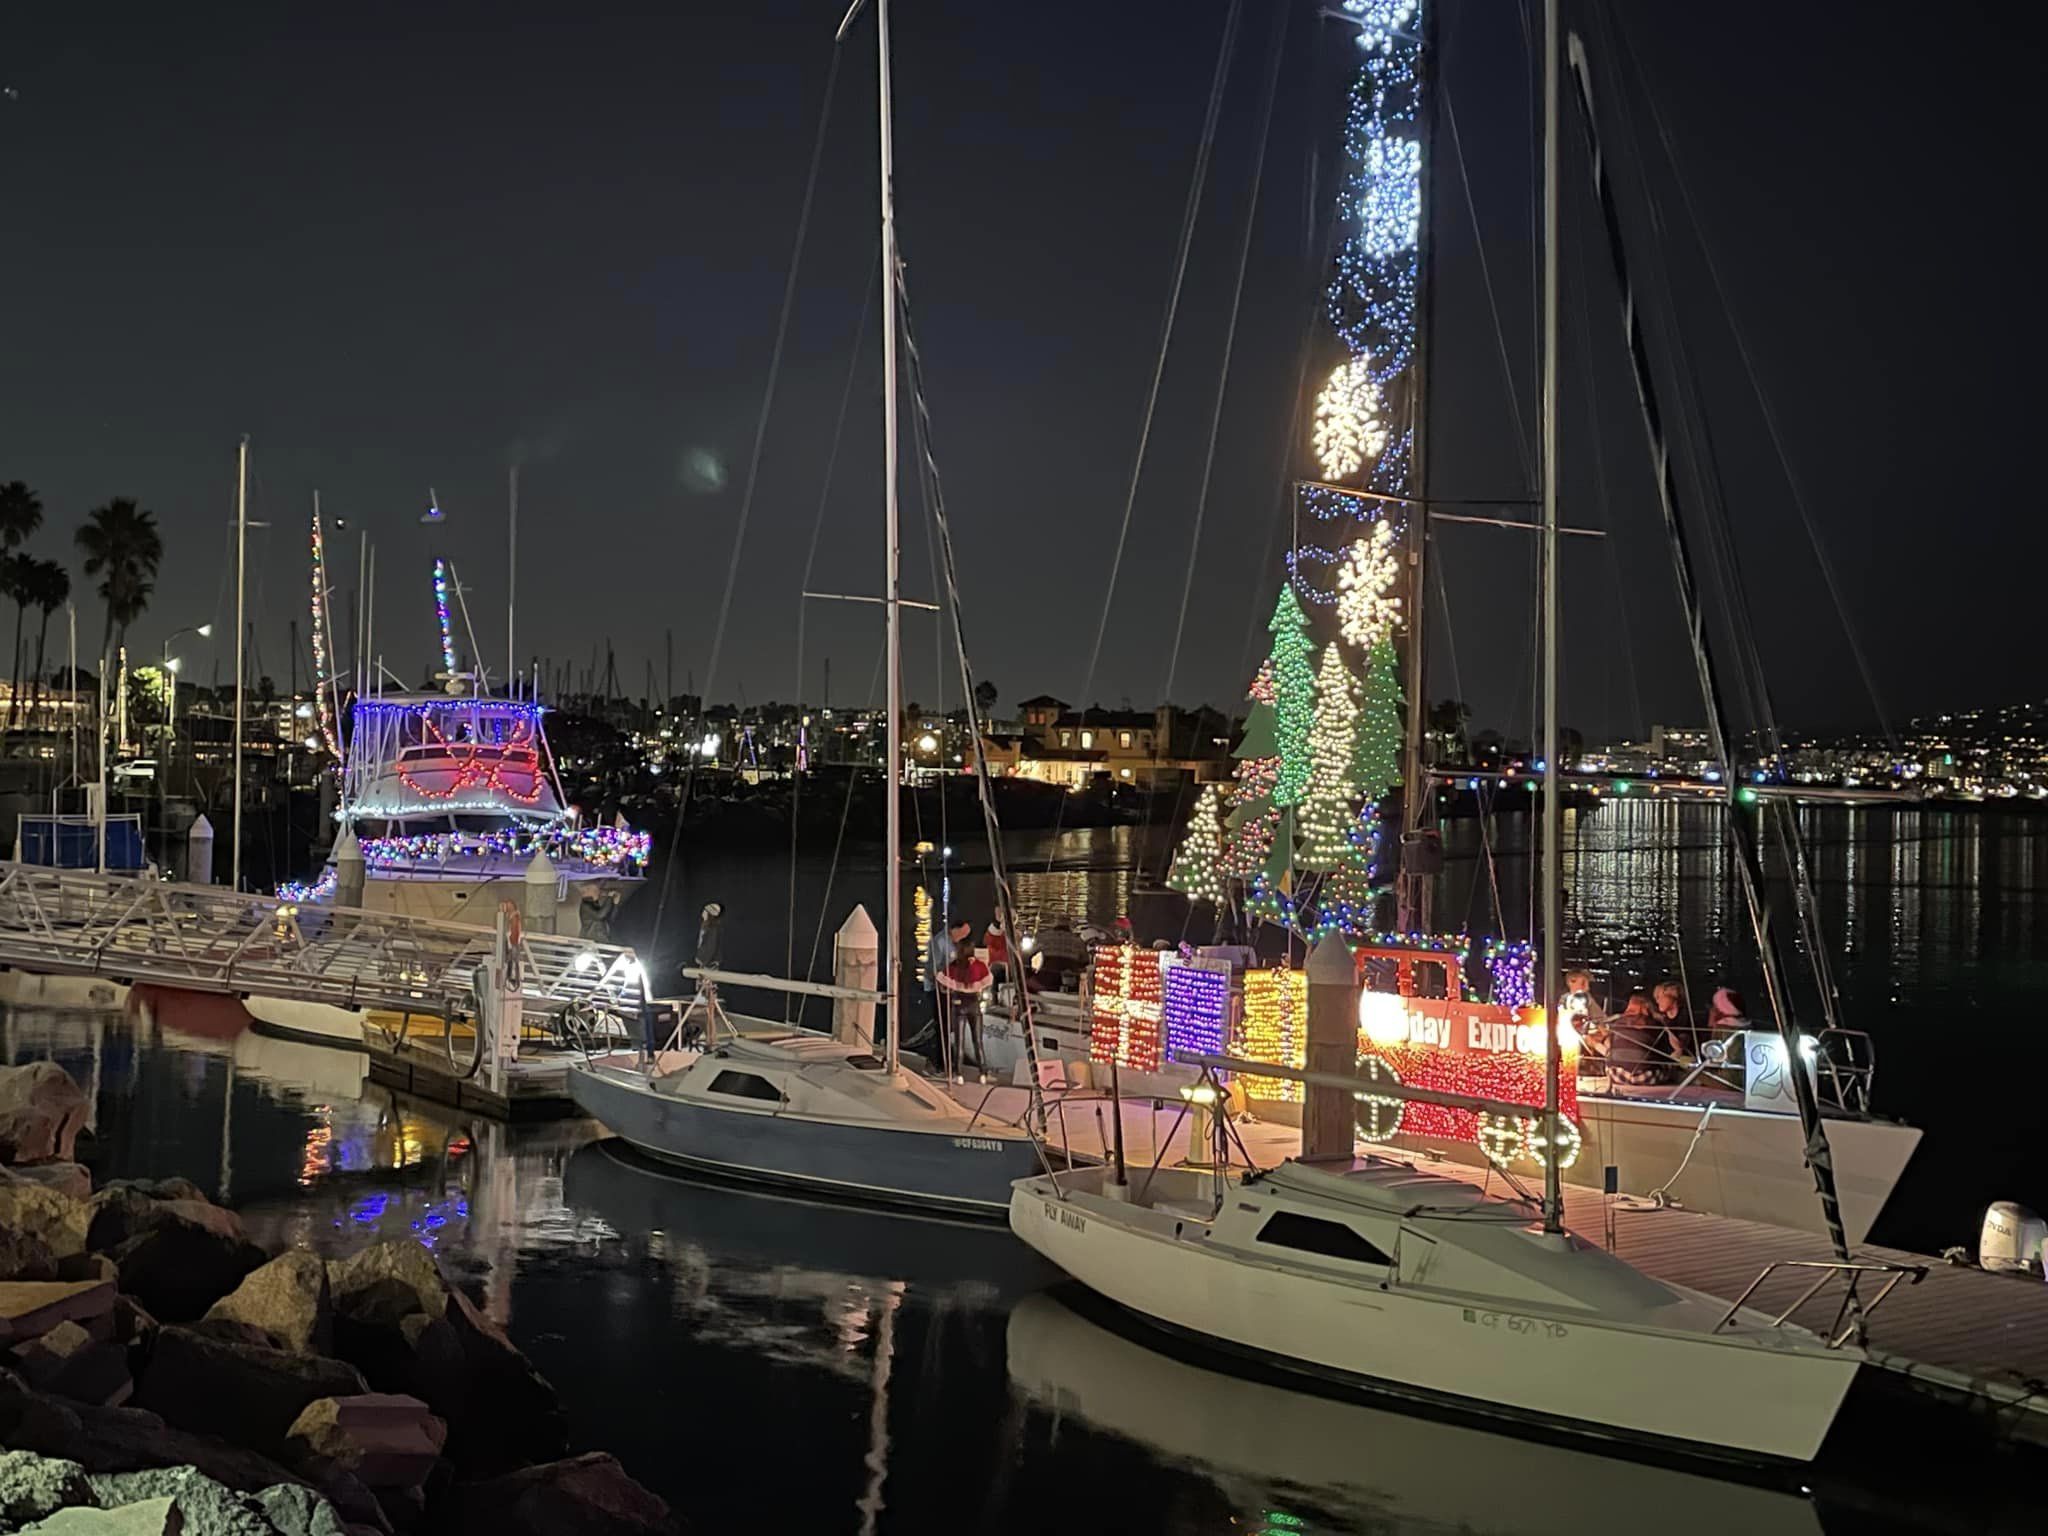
(482, 766)
(1129, 1001)
(1480, 1049)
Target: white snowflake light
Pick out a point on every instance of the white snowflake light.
(1368, 606)
(1379, 20)
(1348, 429)
(1390, 207)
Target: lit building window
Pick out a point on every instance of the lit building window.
(1087, 740)
(1124, 739)
(1066, 738)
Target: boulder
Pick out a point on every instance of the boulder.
(296, 1510)
(286, 1298)
(72, 1180)
(72, 1362)
(49, 1215)
(244, 1393)
(388, 1440)
(24, 1256)
(41, 1113)
(588, 1495)
(125, 1210)
(177, 1269)
(151, 1517)
(31, 1308)
(205, 1507)
(410, 1331)
(33, 1486)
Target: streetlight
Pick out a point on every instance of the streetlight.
(171, 666)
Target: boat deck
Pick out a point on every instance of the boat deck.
(1977, 1338)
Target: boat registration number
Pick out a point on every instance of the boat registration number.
(977, 1144)
(1054, 1211)
(1510, 1322)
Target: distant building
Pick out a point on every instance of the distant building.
(1147, 749)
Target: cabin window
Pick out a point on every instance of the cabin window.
(1311, 1234)
(745, 1085)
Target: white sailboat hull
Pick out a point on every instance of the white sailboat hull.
(1731, 1393)
(292, 1018)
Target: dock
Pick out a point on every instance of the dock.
(1973, 1338)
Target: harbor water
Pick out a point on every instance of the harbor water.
(775, 1364)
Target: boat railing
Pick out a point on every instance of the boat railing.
(1852, 1312)
(1847, 1064)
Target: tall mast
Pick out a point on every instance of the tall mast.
(1413, 887)
(892, 551)
(241, 574)
(512, 584)
(1553, 818)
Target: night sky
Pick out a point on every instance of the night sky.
(405, 247)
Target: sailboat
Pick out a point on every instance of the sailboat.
(1372, 1272)
(763, 1102)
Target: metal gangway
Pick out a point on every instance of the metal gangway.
(205, 938)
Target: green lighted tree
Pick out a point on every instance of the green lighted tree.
(1376, 767)
(1292, 665)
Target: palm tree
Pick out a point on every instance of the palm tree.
(49, 590)
(21, 514)
(16, 571)
(123, 548)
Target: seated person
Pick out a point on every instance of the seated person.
(1641, 1050)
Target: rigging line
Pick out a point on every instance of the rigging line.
(839, 840)
(1443, 608)
(1006, 905)
(1244, 253)
(1799, 502)
(1500, 335)
(1180, 268)
(860, 336)
(739, 534)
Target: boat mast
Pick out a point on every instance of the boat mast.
(1553, 818)
(1414, 887)
(892, 550)
(241, 638)
(512, 584)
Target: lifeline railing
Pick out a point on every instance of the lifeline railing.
(207, 938)
(1853, 1312)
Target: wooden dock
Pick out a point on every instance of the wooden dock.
(1978, 1339)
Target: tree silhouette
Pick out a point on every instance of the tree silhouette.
(49, 588)
(21, 514)
(123, 548)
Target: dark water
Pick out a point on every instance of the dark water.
(771, 1364)
(775, 1365)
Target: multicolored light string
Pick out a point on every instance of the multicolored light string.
(441, 615)
(322, 705)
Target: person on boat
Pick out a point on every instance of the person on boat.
(1727, 1017)
(940, 951)
(1641, 1052)
(998, 946)
(1575, 1008)
(594, 914)
(1668, 1003)
(964, 983)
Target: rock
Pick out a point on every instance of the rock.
(133, 1324)
(398, 1319)
(31, 1308)
(152, 1517)
(588, 1495)
(72, 1180)
(178, 1269)
(49, 1215)
(24, 1256)
(33, 1486)
(125, 1210)
(286, 1298)
(89, 1266)
(41, 1113)
(71, 1362)
(205, 1507)
(388, 1440)
(244, 1393)
(298, 1511)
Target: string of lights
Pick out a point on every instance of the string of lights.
(322, 705)
(441, 614)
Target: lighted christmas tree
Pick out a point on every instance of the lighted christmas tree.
(1253, 817)
(1347, 896)
(1327, 813)
(1194, 871)
(1376, 767)
(1294, 694)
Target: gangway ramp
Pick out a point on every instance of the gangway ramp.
(135, 928)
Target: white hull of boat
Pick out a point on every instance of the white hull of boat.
(1753, 1392)
(26, 989)
(1744, 1163)
(291, 1018)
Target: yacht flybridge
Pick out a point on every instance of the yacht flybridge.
(451, 798)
